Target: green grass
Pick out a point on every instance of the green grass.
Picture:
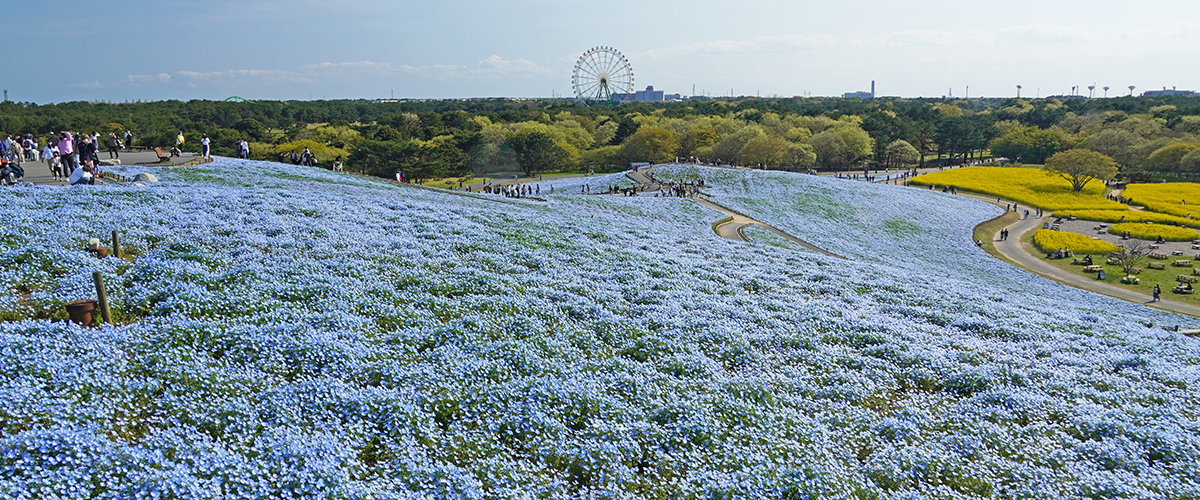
(986, 231)
(1164, 278)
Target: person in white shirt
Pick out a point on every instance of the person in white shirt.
(204, 144)
(82, 175)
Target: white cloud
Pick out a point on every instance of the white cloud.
(159, 78)
(88, 85)
(498, 65)
(241, 77)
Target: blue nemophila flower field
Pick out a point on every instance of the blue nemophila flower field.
(290, 332)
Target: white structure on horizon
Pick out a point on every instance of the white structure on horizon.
(1167, 92)
(860, 94)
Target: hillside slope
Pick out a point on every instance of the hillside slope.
(286, 330)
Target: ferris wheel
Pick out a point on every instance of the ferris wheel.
(600, 73)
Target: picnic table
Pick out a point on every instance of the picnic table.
(1130, 280)
(1176, 252)
(1157, 255)
(1092, 269)
(1183, 278)
(1182, 263)
(1156, 265)
(1184, 289)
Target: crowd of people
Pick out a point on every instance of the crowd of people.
(512, 190)
(72, 157)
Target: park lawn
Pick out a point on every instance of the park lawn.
(1165, 278)
(986, 232)
(1174, 198)
(1026, 185)
(466, 181)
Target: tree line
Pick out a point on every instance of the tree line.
(1146, 136)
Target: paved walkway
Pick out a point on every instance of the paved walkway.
(39, 173)
(731, 228)
(1014, 251)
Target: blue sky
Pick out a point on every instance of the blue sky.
(270, 49)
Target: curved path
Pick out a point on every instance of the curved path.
(1014, 251)
(731, 228)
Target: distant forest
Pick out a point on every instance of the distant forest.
(1149, 137)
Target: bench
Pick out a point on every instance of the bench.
(1156, 265)
(1183, 278)
(162, 158)
(1182, 263)
(1092, 269)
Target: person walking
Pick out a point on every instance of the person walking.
(179, 140)
(205, 145)
(1157, 292)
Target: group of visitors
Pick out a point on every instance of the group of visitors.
(1061, 253)
(306, 158)
(242, 149)
(71, 157)
(513, 190)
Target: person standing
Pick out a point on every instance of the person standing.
(128, 139)
(1157, 292)
(112, 146)
(66, 153)
(205, 143)
(179, 140)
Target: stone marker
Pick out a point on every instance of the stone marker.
(109, 163)
(144, 177)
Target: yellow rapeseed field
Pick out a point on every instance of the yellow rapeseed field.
(1153, 231)
(1128, 216)
(1028, 186)
(1175, 198)
(1048, 240)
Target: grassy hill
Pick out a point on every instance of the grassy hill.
(287, 331)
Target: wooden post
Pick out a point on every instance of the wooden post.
(103, 297)
(116, 244)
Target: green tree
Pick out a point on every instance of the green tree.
(1081, 166)
(1190, 163)
(768, 150)
(801, 156)
(900, 153)
(653, 144)
(1028, 144)
(1167, 158)
(536, 151)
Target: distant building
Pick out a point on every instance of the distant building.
(648, 95)
(860, 94)
(1168, 92)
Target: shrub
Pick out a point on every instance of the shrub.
(1128, 216)
(1049, 240)
(1030, 186)
(1153, 231)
